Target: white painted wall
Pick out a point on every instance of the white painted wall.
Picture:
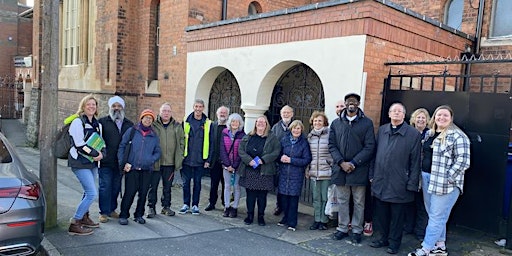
(338, 62)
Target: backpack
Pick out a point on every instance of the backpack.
(63, 140)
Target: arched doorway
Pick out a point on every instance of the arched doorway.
(300, 88)
(225, 91)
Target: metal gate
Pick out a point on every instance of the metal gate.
(224, 92)
(482, 107)
(300, 88)
(11, 97)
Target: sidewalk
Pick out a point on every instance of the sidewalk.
(110, 237)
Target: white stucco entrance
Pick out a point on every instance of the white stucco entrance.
(338, 62)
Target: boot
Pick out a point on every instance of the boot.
(249, 219)
(261, 220)
(76, 228)
(233, 213)
(87, 222)
(226, 212)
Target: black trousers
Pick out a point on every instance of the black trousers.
(389, 220)
(166, 173)
(253, 196)
(368, 205)
(416, 217)
(216, 177)
(135, 182)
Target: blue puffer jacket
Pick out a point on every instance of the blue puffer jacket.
(291, 175)
(145, 150)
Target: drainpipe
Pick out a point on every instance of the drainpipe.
(476, 43)
(479, 22)
(224, 9)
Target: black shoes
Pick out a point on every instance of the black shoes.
(277, 211)
(322, 226)
(249, 219)
(391, 250)
(356, 238)
(315, 226)
(233, 213)
(379, 243)
(261, 220)
(209, 207)
(140, 220)
(339, 235)
(226, 212)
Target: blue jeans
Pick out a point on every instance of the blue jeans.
(187, 174)
(86, 178)
(110, 186)
(438, 209)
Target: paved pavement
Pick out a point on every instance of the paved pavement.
(208, 233)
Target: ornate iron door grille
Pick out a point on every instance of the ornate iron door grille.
(225, 91)
(300, 88)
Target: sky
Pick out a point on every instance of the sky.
(30, 2)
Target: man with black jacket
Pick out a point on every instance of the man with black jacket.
(352, 146)
(216, 172)
(114, 126)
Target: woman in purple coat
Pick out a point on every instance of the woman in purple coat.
(229, 144)
(295, 157)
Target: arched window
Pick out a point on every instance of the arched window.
(71, 32)
(501, 18)
(254, 8)
(453, 13)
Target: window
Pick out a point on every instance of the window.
(70, 40)
(501, 18)
(453, 17)
(254, 8)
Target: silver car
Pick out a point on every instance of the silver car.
(22, 205)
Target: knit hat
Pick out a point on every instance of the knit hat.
(115, 99)
(148, 112)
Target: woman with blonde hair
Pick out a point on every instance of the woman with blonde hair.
(258, 150)
(83, 160)
(319, 171)
(295, 156)
(446, 152)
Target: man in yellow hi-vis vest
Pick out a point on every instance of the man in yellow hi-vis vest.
(198, 155)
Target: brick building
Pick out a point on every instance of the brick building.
(15, 35)
(256, 56)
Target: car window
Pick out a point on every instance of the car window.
(5, 155)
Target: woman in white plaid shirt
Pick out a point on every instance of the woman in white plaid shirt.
(446, 151)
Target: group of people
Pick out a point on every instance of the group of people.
(404, 177)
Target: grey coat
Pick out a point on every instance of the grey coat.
(396, 171)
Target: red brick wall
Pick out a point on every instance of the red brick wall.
(8, 48)
(392, 36)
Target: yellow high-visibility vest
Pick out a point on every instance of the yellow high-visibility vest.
(206, 138)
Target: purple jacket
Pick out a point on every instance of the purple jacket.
(230, 157)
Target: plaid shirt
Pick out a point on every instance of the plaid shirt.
(449, 162)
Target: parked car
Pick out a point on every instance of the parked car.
(22, 205)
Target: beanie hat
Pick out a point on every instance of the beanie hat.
(115, 99)
(148, 112)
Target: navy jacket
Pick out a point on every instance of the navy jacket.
(145, 150)
(291, 175)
